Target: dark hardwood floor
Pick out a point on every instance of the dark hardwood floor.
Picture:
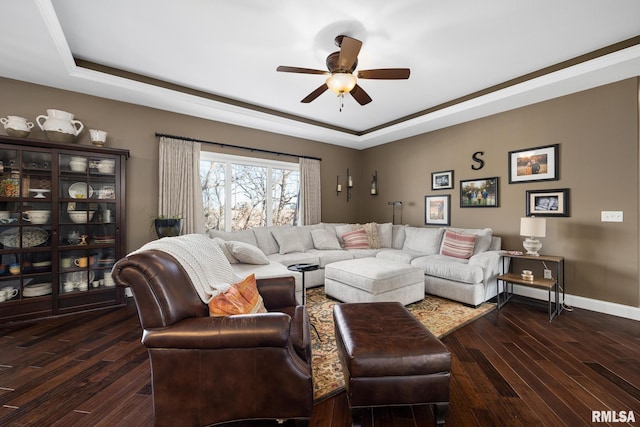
(512, 368)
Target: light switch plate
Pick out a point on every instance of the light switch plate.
(611, 216)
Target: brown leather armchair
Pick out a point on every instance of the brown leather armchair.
(208, 370)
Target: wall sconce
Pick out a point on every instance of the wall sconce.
(338, 185)
(374, 184)
(349, 185)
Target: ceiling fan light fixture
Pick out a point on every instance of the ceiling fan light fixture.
(341, 83)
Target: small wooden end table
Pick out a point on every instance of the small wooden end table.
(508, 279)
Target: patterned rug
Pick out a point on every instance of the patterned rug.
(439, 315)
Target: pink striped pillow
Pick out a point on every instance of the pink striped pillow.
(458, 245)
(356, 239)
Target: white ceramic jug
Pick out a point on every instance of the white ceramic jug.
(59, 122)
(16, 126)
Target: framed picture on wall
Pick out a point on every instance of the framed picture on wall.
(479, 193)
(436, 210)
(548, 202)
(534, 164)
(441, 180)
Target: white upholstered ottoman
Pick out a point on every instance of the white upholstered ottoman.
(373, 280)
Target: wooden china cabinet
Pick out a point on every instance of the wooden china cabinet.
(62, 227)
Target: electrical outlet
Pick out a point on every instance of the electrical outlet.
(547, 274)
(611, 216)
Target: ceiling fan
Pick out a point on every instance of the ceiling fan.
(341, 79)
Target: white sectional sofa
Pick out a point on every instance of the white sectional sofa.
(459, 264)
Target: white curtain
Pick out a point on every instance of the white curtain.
(180, 192)
(310, 194)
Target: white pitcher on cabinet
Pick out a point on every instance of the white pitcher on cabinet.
(59, 125)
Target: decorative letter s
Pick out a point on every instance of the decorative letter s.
(477, 159)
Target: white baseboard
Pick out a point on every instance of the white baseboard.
(605, 307)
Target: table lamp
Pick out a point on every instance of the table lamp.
(532, 227)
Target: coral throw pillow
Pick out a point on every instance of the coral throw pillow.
(240, 298)
(458, 245)
(356, 239)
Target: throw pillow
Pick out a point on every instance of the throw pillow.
(458, 245)
(425, 240)
(356, 239)
(341, 229)
(240, 298)
(371, 228)
(288, 240)
(325, 239)
(483, 239)
(247, 253)
(222, 244)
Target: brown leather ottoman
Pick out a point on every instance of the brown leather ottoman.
(389, 358)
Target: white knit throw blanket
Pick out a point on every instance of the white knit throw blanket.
(202, 259)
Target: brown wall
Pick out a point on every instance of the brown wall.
(598, 135)
(597, 131)
(133, 127)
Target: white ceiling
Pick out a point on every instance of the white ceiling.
(226, 53)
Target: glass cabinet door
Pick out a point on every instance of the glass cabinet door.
(25, 225)
(87, 223)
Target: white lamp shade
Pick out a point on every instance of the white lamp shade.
(341, 82)
(533, 227)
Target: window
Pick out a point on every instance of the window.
(244, 192)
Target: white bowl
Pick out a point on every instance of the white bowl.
(106, 166)
(80, 217)
(78, 164)
(37, 216)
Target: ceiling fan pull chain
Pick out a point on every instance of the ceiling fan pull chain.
(341, 98)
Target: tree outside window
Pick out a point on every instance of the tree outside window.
(240, 193)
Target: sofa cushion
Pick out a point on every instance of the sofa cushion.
(266, 242)
(246, 253)
(398, 236)
(288, 240)
(363, 253)
(456, 269)
(385, 234)
(267, 271)
(483, 241)
(240, 298)
(247, 236)
(423, 239)
(356, 239)
(304, 233)
(295, 258)
(458, 245)
(330, 256)
(325, 239)
(222, 244)
(400, 255)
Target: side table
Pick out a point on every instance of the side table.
(303, 268)
(508, 279)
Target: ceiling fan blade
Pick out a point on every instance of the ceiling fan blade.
(349, 49)
(316, 93)
(286, 69)
(385, 74)
(360, 95)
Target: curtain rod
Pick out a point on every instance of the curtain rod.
(223, 145)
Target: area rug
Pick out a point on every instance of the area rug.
(439, 315)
